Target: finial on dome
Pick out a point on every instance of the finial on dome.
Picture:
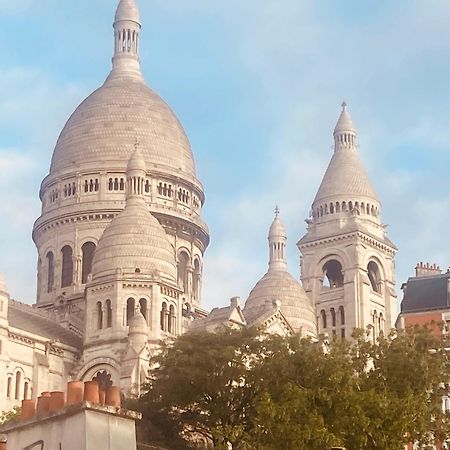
(127, 29)
(277, 211)
(136, 173)
(344, 132)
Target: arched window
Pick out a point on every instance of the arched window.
(164, 317)
(67, 266)
(18, 381)
(130, 309)
(381, 324)
(374, 276)
(9, 387)
(99, 315)
(342, 315)
(333, 276)
(183, 261)
(197, 280)
(25, 390)
(87, 250)
(323, 315)
(108, 314)
(50, 271)
(143, 307)
(172, 320)
(110, 184)
(338, 207)
(333, 317)
(103, 378)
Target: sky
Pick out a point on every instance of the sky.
(257, 85)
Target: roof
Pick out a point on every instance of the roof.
(30, 319)
(127, 10)
(426, 293)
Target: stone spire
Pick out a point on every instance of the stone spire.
(277, 244)
(345, 179)
(136, 175)
(127, 29)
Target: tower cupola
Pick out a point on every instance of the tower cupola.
(344, 132)
(127, 30)
(277, 244)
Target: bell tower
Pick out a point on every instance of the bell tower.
(347, 259)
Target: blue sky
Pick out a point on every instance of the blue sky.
(258, 86)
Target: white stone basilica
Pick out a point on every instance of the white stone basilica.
(121, 242)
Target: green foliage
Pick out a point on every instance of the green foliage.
(9, 416)
(271, 393)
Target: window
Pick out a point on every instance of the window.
(342, 315)
(172, 320)
(99, 315)
(143, 307)
(25, 390)
(18, 381)
(333, 276)
(50, 271)
(183, 262)
(108, 314)
(67, 266)
(323, 315)
(197, 280)
(9, 387)
(374, 276)
(164, 317)
(130, 309)
(87, 251)
(333, 317)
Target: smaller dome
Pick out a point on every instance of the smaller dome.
(277, 229)
(138, 331)
(134, 242)
(136, 162)
(127, 10)
(280, 285)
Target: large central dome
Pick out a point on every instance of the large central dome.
(105, 126)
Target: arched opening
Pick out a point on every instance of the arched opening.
(333, 276)
(333, 317)
(374, 276)
(183, 262)
(164, 317)
(50, 271)
(99, 315)
(338, 207)
(381, 324)
(25, 390)
(323, 316)
(18, 381)
(108, 314)
(9, 387)
(196, 281)
(130, 309)
(67, 266)
(87, 251)
(172, 320)
(104, 380)
(143, 307)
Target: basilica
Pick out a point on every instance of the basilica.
(121, 240)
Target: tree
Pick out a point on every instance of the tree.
(255, 391)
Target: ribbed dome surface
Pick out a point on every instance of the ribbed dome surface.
(134, 240)
(103, 129)
(295, 304)
(345, 177)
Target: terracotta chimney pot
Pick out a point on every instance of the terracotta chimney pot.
(91, 392)
(113, 397)
(2, 445)
(28, 410)
(57, 401)
(43, 404)
(75, 392)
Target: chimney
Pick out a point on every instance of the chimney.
(427, 270)
(93, 424)
(235, 302)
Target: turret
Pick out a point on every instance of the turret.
(277, 244)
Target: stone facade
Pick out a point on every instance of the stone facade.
(121, 241)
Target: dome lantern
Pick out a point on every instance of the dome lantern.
(277, 244)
